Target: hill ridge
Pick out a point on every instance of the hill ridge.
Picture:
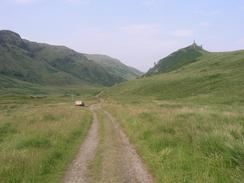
(46, 64)
(213, 78)
(115, 66)
(178, 59)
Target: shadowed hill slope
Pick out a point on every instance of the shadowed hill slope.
(115, 67)
(49, 65)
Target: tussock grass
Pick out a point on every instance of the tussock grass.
(187, 123)
(38, 140)
(216, 78)
(185, 143)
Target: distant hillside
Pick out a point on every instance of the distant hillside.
(22, 60)
(211, 78)
(178, 59)
(115, 67)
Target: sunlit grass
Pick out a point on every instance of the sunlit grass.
(38, 141)
(185, 143)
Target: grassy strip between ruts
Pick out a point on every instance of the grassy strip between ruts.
(37, 142)
(181, 143)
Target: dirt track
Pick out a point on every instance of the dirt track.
(119, 161)
(78, 171)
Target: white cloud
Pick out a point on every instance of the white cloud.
(149, 2)
(142, 30)
(206, 12)
(205, 24)
(240, 42)
(24, 1)
(69, 1)
(183, 33)
(85, 2)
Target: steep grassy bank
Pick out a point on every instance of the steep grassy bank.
(39, 137)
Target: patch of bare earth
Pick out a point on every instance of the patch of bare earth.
(78, 171)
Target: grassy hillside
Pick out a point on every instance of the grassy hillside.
(213, 78)
(49, 65)
(178, 59)
(115, 67)
(187, 124)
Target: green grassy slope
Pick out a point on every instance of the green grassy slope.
(214, 78)
(49, 65)
(115, 67)
(178, 59)
(187, 124)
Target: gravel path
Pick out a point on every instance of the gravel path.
(124, 165)
(119, 163)
(78, 171)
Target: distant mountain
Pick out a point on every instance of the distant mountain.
(31, 62)
(115, 67)
(178, 59)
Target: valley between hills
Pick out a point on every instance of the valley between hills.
(182, 121)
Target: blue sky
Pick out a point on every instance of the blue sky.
(138, 32)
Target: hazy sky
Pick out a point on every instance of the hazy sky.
(138, 32)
